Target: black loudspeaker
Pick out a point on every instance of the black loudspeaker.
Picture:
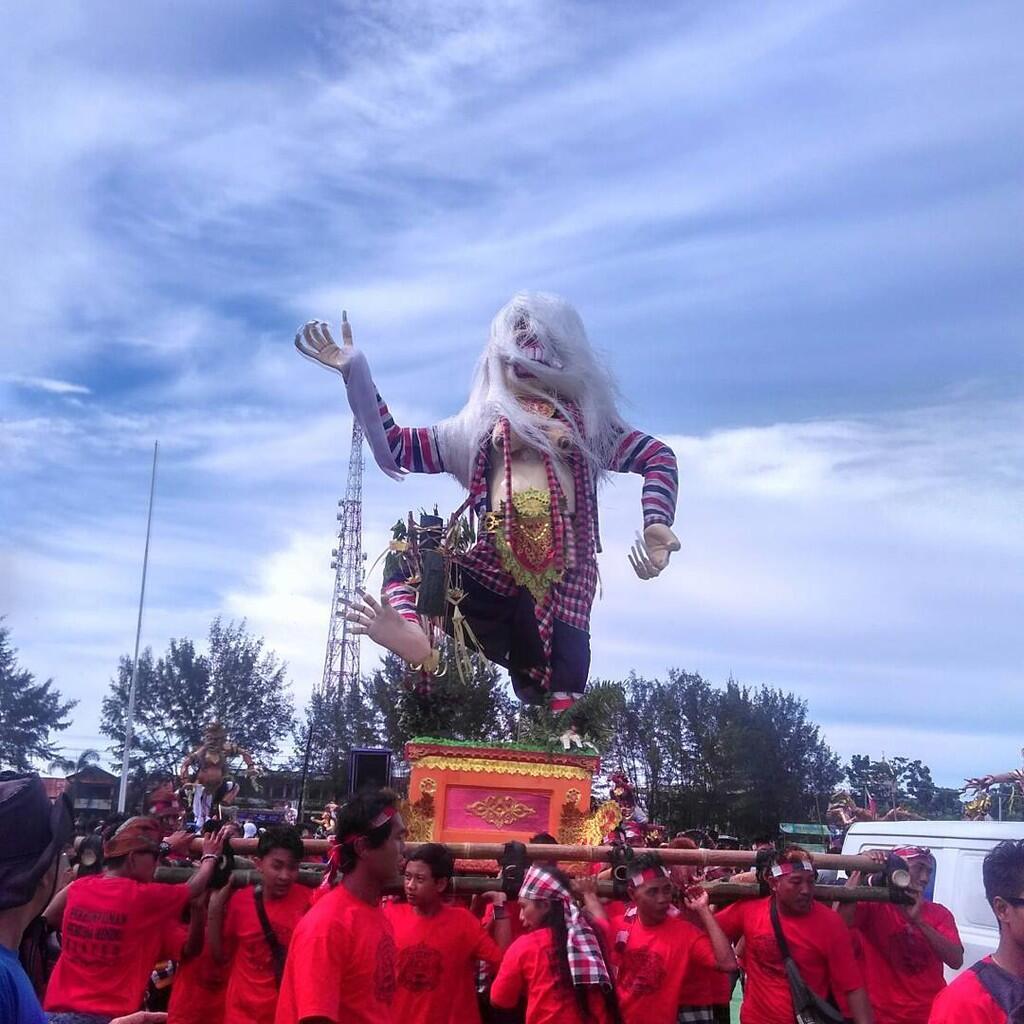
(368, 768)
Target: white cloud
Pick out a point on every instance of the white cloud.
(47, 384)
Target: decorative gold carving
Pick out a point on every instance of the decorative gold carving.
(419, 819)
(572, 796)
(428, 785)
(500, 811)
(481, 764)
(576, 828)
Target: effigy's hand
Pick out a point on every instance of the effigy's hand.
(650, 553)
(981, 783)
(314, 341)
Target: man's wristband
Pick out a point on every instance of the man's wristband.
(209, 856)
(498, 912)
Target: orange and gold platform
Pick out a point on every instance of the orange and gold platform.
(485, 793)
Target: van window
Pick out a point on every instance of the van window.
(972, 907)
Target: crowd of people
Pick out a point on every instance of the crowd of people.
(550, 950)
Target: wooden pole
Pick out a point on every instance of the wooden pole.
(719, 892)
(740, 859)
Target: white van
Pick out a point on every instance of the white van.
(959, 848)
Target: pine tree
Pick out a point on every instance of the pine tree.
(29, 712)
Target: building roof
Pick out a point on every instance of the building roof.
(91, 773)
(54, 786)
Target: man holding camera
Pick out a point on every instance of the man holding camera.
(905, 946)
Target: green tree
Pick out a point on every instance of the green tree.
(892, 782)
(237, 682)
(29, 712)
(71, 765)
(332, 727)
(478, 707)
(734, 758)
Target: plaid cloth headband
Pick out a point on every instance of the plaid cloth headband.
(586, 962)
(787, 867)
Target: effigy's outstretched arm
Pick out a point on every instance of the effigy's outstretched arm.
(640, 453)
(397, 450)
(414, 449)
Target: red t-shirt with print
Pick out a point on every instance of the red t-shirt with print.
(199, 990)
(819, 942)
(704, 986)
(341, 964)
(436, 964)
(651, 965)
(902, 972)
(528, 970)
(113, 931)
(252, 988)
(966, 1001)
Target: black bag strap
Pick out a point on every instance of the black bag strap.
(804, 998)
(277, 951)
(1003, 987)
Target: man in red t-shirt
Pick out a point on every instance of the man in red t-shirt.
(341, 960)
(257, 950)
(818, 939)
(438, 946)
(987, 992)
(706, 991)
(654, 949)
(905, 947)
(114, 923)
(200, 983)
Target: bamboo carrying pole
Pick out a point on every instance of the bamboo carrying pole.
(601, 854)
(719, 892)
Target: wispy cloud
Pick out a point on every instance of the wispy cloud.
(47, 384)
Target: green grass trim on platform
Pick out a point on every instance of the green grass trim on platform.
(533, 748)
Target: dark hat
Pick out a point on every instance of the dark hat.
(136, 834)
(32, 833)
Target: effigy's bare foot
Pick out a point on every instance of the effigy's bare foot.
(384, 626)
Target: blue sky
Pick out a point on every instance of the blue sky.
(793, 228)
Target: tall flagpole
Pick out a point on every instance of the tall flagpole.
(130, 719)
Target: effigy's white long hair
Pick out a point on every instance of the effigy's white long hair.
(537, 346)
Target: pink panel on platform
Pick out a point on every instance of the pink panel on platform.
(496, 810)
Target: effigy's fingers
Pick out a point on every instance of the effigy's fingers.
(643, 558)
(325, 333)
(303, 342)
(360, 613)
(637, 566)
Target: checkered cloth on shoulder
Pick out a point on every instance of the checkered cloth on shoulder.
(586, 961)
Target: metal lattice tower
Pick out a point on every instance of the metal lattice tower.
(341, 662)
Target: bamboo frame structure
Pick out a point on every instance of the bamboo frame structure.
(718, 892)
(741, 859)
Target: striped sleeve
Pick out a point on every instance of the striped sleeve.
(414, 449)
(638, 452)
